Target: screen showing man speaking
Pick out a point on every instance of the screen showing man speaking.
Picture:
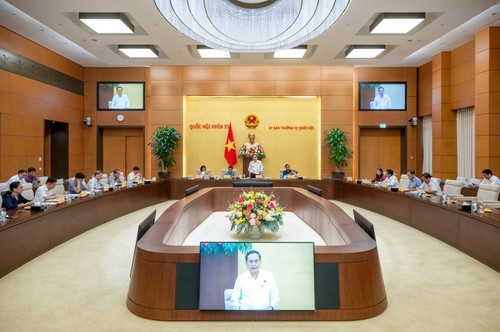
(257, 276)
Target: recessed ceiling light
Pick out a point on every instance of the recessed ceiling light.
(364, 51)
(107, 22)
(210, 53)
(139, 51)
(396, 22)
(292, 53)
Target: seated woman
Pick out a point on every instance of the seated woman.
(202, 170)
(13, 198)
(379, 176)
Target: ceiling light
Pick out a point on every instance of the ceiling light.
(293, 53)
(364, 51)
(139, 51)
(210, 53)
(263, 27)
(396, 22)
(107, 22)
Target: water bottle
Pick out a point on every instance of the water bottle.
(473, 208)
(3, 215)
(68, 199)
(444, 198)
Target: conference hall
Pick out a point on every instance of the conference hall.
(250, 164)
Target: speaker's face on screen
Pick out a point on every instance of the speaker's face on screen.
(253, 263)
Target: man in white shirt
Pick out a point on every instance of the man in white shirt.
(120, 100)
(134, 176)
(96, 181)
(381, 101)
(45, 192)
(19, 177)
(430, 185)
(489, 178)
(255, 289)
(390, 178)
(255, 167)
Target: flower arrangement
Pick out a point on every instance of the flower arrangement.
(255, 209)
(248, 152)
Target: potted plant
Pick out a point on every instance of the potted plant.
(163, 143)
(340, 153)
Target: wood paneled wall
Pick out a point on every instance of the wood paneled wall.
(487, 93)
(467, 76)
(443, 85)
(25, 104)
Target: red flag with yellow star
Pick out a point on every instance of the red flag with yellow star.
(230, 149)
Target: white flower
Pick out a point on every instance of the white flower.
(252, 222)
(239, 214)
(253, 215)
(268, 217)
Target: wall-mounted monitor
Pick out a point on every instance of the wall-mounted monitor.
(382, 96)
(263, 276)
(120, 96)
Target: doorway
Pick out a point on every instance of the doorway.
(121, 148)
(384, 148)
(56, 149)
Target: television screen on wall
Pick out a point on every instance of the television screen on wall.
(382, 96)
(262, 276)
(120, 96)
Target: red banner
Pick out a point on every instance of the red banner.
(229, 149)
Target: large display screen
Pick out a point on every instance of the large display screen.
(382, 96)
(120, 96)
(257, 276)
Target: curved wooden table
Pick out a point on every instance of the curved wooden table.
(28, 234)
(476, 234)
(165, 275)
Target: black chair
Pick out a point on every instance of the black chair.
(252, 183)
(144, 226)
(364, 224)
(315, 190)
(192, 190)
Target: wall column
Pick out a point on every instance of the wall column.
(487, 100)
(444, 137)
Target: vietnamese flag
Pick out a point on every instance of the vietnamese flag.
(229, 149)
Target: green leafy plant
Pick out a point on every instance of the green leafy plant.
(164, 141)
(340, 153)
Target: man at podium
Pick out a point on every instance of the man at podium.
(255, 167)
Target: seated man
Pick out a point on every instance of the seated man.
(391, 179)
(230, 172)
(289, 172)
(489, 178)
(134, 176)
(414, 182)
(31, 177)
(19, 177)
(114, 178)
(45, 192)
(77, 185)
(13, 198)
(96, 181)
(430, 185)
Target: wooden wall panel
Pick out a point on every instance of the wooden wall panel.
(251, 73)
(251, 88)
(298, 88)
(295, 73)
(205, 73)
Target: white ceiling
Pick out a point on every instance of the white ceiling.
(54, 24)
